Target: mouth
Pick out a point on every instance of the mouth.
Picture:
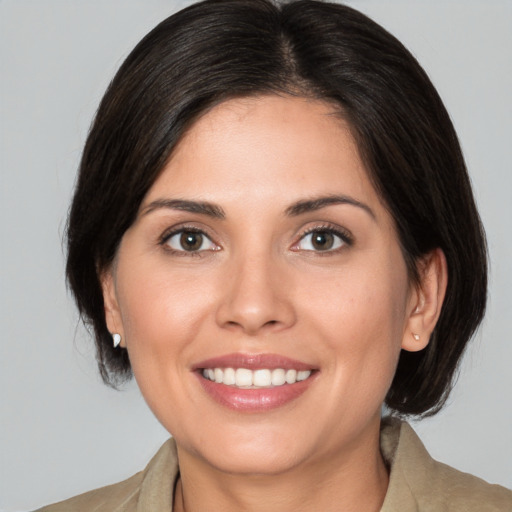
(263, 378)
(254, 383)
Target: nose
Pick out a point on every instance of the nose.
(257, 297)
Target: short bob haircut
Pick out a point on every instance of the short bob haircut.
(216, 50)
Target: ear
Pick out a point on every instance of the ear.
(426, 301)
(113, 317)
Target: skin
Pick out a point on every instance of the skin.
(259, 287)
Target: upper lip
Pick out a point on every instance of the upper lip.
(253, 362)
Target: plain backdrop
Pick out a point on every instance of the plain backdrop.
(61, 431)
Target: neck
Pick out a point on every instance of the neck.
(353, 479)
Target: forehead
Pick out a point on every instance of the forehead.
(279, 148)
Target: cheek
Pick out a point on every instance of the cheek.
(360, 317)
(159, 304)
(162, 314)
(368, 303)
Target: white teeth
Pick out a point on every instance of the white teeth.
(219, 375)
(303, 375)
(291, 376)
(278, 377)
(243, 377)
(229, 377)
(263, 378)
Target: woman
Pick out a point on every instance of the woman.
(270, 229)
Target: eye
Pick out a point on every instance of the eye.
(321, 240)
(187, 240)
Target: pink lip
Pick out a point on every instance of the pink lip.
(254, 400)
(253, 362)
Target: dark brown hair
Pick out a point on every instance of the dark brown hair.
(221, 49)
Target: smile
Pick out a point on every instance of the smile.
(255, 383)
(245, 378)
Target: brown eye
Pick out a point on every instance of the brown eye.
(190, 241)
(321, 240)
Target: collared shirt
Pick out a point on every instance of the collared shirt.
(417, 483)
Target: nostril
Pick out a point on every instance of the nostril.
(251, 328)
(243, 309)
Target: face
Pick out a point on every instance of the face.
(261, 292)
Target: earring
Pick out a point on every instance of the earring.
(116, 339)
(416, 336)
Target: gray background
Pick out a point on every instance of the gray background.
(61, 431)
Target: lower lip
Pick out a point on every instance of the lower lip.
(255, 400)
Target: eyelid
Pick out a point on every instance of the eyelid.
(344, 234)
(174, 230)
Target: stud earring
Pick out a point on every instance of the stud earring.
(116, 338)
(416, 336)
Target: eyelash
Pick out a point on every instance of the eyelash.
(167, 235)
(345, 236)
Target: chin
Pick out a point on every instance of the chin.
(252, 452)
(255, 460)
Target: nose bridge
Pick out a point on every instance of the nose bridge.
(255, 296)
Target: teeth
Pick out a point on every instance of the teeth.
(229, 377)
(263, 378)
(303, 375)
(278, 377)
(291, 376)
(243, 377)
(219, 375)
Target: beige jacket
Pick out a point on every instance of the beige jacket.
(417, 483)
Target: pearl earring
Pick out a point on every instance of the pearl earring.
(116, 339)
(416, 336)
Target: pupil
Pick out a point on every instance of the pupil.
(191, 241)
(322, 240)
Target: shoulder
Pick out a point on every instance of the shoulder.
(121, 496)
(150, 489)
(462, 491)
(418, 483)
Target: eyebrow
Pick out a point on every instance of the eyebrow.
(215, 211)
(201, 207)
(311, 205)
